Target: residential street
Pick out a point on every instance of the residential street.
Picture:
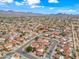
(51, 50)
(74, 41)
(10, 53)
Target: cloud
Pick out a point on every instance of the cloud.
(6, 1)
(19, 4)
(51, 8)
(30, 2)
(53, 1)
(36, 6)
(2, 4)
(68, 11)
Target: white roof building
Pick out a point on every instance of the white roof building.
(61, 57)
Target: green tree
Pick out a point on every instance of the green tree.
(28, 49)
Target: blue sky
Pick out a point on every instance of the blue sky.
(41, 6)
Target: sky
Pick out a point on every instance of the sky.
(41, 6)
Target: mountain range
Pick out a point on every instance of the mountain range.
(24, 14)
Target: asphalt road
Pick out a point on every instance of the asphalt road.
(74, 40)
(19, 48)
(52, 50)
(27, 55)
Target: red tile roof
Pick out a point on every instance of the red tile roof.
(67, 51)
